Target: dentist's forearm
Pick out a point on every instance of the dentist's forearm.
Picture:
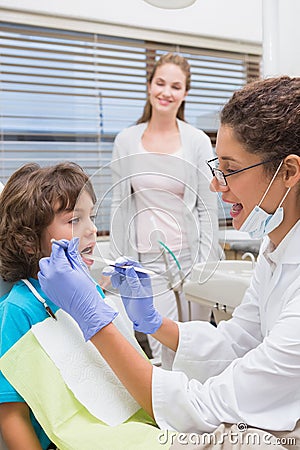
(168, 334)
(133, 370)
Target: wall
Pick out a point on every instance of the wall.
(289, 37)
(239, 20)
(229, 19)
(281, 37)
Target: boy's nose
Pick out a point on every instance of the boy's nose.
(91, 228)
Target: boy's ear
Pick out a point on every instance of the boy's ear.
(292, 170)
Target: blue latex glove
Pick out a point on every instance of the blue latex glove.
(136, 292)
(65, 280)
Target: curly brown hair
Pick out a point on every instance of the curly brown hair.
(168, 58)
(28, 204)
(265, 118)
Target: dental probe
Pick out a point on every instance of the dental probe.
(59, 243)
(106, 261)
(112, 264)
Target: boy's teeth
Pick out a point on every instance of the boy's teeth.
(86, 250)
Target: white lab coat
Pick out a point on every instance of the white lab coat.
(248, 369)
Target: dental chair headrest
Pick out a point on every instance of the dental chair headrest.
(4, 285)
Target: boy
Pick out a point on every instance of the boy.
(36, 205)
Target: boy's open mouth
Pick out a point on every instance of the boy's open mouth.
(85, 255)
(87, 251)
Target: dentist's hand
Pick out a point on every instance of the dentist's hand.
(136, 292)
(65, 280)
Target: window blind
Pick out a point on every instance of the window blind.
(64, 95)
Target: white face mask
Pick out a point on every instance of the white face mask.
(259, 223)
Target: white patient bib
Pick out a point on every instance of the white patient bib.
(84, 370)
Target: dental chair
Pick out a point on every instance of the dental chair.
(4, 288)
(4, 285)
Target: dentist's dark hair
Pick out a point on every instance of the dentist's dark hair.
(265, 118)
(168, 58)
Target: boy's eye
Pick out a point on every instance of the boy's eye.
(93, 217)
(74, 220)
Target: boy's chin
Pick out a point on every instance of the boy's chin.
(88, 262)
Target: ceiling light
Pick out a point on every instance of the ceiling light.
(170, 4)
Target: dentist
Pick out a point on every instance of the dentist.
(247, 370)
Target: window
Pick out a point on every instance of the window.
(64, 95)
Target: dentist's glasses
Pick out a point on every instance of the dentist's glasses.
(220, 175)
